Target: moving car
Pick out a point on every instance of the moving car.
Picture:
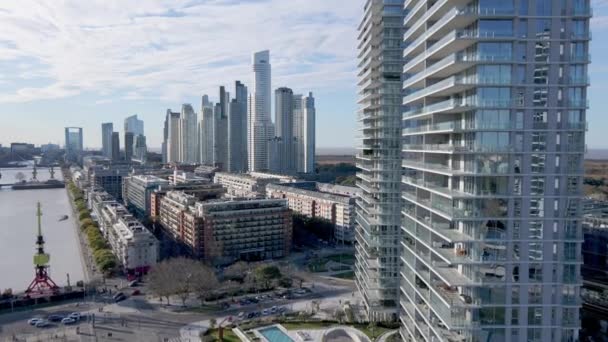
(42, 323)
(75, 315)
(33, 321)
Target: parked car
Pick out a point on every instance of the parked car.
(136, 293)
(117, 294)
(68, 320)
(241, 315)
(43, 323)
(120, 298)
(273, 310)
(75, 315)
(55, 318)
(133, 283)
(33, 321)
(251, 315)
(265, 312)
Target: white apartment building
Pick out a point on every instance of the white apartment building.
(246, 185)
(135, 247)
(188, 143)
(205, 132)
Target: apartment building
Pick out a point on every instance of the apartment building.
(333, 203)
(137, 190)
(247, 185)
(494, 96)
(224, 231)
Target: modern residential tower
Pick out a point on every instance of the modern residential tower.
(205, 132)
(73, 143)
(379, 158)
(220, 130)
(237, 130)
(106, 138)
(188, 143)
(260, 127)
(493, 146)
(284, 118)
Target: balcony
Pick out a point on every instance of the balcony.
(444, 127)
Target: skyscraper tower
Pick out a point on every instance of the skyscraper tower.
(220, 130)
(106, 139)
(494, 129)
(188, 135)
(73, 143)
(172, 146)
(115, 146)
(134, 125)
(237, 130)
(129, 142)
(309, 134)
(205, 132)
(284, 131)
(260, 125)
(379, 206)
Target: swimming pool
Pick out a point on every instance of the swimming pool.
(274, 334)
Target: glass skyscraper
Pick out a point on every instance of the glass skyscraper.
(494, 105)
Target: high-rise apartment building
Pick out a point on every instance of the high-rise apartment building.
(284, 118)
(308, 143)
(304, 132)
(260, 127)
(106, 138)
(220, 130)
(188, 144)
(129, 143)
(73, 143)
(379, 158)
(494, 104)
(172, 137)
(237, 130)
(115, 146)
(134, 125)
(205, 132)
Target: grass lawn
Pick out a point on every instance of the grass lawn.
(348, 259)
(229, 336)
(345, 275)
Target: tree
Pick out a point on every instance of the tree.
(237, 271)
(204, 281)
(84, 214)
(266, 274)
(160, 280)
(87, 222)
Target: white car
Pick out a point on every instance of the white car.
(265, 312)
(33, 321)
(42, 323)
(68, 320)
(75, 316)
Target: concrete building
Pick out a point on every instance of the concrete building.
(137, 190)
(172, 137)
(134, 246)
(129, 143)
(73, 143)
(493, 144)
(333, 203)
(284, 126)
(220, 130)
(106, 139)
(188, 137)
(260, 127)
(205, 132)
(379, 206)
(103, 173)
(237, 130)
(115, 146)
(247, 185)
(225, 231)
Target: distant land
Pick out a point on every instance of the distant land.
(596, 153)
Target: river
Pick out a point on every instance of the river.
(18, 232)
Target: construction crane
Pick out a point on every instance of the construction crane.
(42, 283)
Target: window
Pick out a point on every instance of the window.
(496, 28)
(495, 51)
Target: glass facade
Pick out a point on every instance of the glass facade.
(493, 138)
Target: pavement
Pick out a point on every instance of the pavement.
(142, 318)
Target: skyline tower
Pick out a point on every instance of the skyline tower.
(73, 142)
(284, 122)
(129, 142)
(260, 128)
(220, 130)
(188, 140)
(115, 146)
(237, 130)
(106, 139)
(308, 143)
(493, 147)
(205, 132)
(172, 140)
(134, 125)
(378, 210)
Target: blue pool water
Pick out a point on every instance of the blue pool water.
(274, 334)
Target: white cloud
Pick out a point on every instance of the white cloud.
(171, 49)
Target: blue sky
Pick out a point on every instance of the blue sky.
(81, 63)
